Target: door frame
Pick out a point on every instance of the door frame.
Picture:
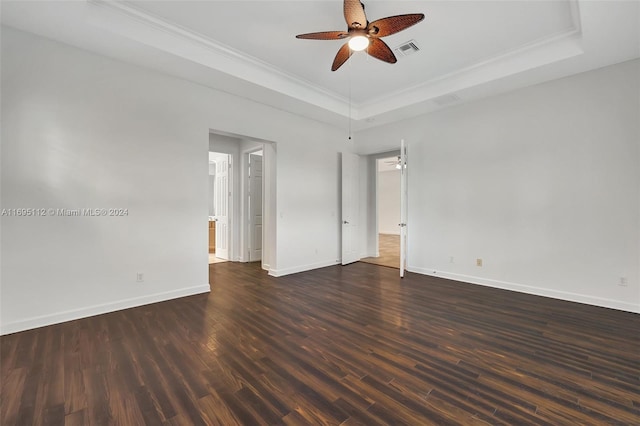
(230, 202)
(372, 232)
(404, 206)
(269, 205)
(246, 221)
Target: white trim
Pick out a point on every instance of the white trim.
(548, 51)
(373, 183)
(368, 254)
(245, 219)
(302, 268)
(497, 61)
(537, 291)
(145, 27)
(139, 24)
(74, 314)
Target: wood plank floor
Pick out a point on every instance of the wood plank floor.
(388, 250)
(340, 345)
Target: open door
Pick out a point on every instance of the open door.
(255, 207)
(350, 208)
(403, 207)
(222, 208)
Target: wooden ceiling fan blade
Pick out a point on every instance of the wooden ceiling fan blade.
(393, 24)
(324, 35)
(343, 54)
(354, 14)
(379, 50)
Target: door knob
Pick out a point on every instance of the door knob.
(345, 222)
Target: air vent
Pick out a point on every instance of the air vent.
(406, 49)
(446, 99)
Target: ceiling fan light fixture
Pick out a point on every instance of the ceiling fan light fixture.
(358, 43)
(363, 34)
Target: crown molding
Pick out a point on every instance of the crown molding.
(546, 50)
(141, 26)
(537, 53)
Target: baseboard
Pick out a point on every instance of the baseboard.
(90, 311)
(537, 291)
(370, 254)
(302, 268)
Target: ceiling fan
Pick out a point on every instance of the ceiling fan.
(363, 34)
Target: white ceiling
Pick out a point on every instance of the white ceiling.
(469, 49)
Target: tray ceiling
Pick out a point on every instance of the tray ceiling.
(468, 49)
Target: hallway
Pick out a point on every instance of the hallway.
(389, 252)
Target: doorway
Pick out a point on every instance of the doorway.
(248, 199)
(220, 200)
(387, 196)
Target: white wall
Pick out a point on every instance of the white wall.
(389, 202)
(269, 197)
(308, 201)
(542, 183)
(81, 130)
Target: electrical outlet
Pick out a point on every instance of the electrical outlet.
(478, 262)
(139, 277)
(623, 282)
(450, 259)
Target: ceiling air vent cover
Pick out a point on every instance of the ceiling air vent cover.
(406, 49)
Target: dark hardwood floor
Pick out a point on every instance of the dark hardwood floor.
(340, 345)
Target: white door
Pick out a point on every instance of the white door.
(350, 208)
(255, 207)
(222, 208)
(403, 207)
